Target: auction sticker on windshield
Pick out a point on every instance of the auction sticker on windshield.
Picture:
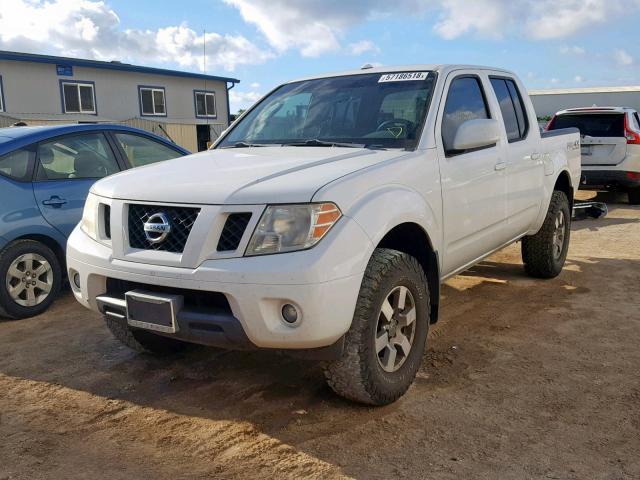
(403, 76)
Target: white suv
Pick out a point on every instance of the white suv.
(324, 220)
(610, 138)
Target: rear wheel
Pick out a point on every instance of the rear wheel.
(545, 252)
(384, 346)
(634, 196)
(143, 341)
(30, 277)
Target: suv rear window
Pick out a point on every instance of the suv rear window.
(592, 124)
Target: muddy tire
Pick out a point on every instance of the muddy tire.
(634, 196)
(545, 252)
(142, 341)
(30, 279)
(392, 314)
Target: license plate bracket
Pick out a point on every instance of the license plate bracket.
(153, 311)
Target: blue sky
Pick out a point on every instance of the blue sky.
(264, 42)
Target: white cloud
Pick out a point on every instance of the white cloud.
(578, 79)
(315, 27)
(623, 58)
(572, 49)
(255, 85)
(243, 100)
(363, 46)
(554, 80)
(89, 28)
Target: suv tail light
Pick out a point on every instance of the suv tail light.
(633, 137)
(550, 124)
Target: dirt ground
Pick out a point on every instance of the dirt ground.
(523, 379)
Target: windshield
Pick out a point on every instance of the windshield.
(369, 110)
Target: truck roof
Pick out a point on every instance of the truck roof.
(439, 68)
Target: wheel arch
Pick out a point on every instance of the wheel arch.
(564, 184)
(412, 239)
(50, 242)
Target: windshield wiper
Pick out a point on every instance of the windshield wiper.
(245, 145)
(314, 142)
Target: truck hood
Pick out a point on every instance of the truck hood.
(254, 175)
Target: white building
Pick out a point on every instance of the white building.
(548, 102)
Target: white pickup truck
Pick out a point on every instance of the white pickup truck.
(324, 220)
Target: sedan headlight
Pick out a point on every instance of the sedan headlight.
(286, 228)
(89, 222)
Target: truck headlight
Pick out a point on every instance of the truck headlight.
(89, 222)
(286, 228)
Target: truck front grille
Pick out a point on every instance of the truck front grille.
(181, 220)
(233, 231)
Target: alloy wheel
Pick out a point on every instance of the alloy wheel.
(29, 280)
(395, 330)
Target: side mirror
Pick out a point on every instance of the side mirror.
(479, 132)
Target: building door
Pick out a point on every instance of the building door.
(203, 135)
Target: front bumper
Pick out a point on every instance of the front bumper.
(323, 283)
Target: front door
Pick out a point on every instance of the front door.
(473, 182)
(66, 168)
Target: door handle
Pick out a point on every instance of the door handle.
(500, 166)
(54, 201)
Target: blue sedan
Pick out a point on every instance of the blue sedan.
(45, 176)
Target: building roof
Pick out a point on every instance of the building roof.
(565, 91)
(113, 65)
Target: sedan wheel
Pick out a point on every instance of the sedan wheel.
(29, 280)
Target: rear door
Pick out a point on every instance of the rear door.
(602, 136)
(525, 169)
(66, 167)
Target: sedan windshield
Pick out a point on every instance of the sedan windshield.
(369, 110)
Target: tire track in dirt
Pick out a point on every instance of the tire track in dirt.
(188, 444)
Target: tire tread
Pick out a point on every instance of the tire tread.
(350, 376)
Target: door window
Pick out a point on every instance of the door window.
(17, 164)
(511, 107)
(75, 157)
(143, 151)
(465, 101)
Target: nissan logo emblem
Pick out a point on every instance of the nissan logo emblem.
(157, 228)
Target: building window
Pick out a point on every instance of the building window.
(1, 95)
(78, 97)
(205, 104)
(152, 101)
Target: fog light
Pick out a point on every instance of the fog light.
(289, 313)
(76, 280)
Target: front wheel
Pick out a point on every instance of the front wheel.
(386, 341)
(545, 252)
(30, 278)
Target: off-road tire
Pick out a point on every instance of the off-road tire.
(357, 375)
(538, 250)
(634, 196)
(8, 307)
(142, 341)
